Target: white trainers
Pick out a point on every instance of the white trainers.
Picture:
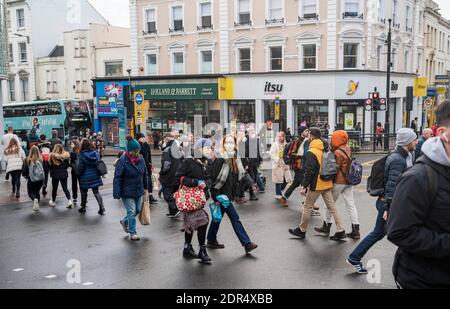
(135, 238)
(36, 205)
(52, 203)
(69, 204)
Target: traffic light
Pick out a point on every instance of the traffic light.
(376, 101)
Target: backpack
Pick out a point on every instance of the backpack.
(36, 171)
(375, 182)
(354, 176)
(289, 149)
(329, 166)
(45, 154)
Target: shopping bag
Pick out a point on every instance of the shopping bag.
(216, 212)
(144, 216)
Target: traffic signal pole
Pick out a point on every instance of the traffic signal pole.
(388, 87)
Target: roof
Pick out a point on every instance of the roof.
(58, 51)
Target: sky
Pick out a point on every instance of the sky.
(117, 12)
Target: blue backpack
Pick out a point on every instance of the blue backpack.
(355, 173)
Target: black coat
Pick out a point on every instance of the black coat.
(419, 224)
(311, 167)
(58, 165)
(231, 186)
(171, 159)
(393, 170)
(192, 172)
(147, 155)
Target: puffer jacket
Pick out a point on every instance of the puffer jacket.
(58, 164)
(87, 170)
(393, 170)
(312, 166)
(130, 180)
(419, 222)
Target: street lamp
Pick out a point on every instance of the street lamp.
(388, 86)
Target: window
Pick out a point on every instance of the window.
(276, 58)
(151, 20)
(206, 62)
(309, 57)
(419, 63)
(407, 61)
(408, 18)
(20, 14)
(23, 52)
(81, 80)
(52, 84)
(275, 9)
(114, 68)
(309, 9)
(83, 46)
(206, 15)
(12, 89)
(351, 55)
(84, 79)
(351, 8)
(380, 10)
(178, 63)
(394, 59)
(152, 64)
(245, 61)
(177, 18)
(24, 84)
(244, 12)
(421, 21)
(10, 53)
(379, 58)
(395, 12)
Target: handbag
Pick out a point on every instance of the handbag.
(189, 199)
(101, 167)
(216, 212)
(144, 216)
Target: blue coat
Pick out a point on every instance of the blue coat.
(130, 180)
(89, 176)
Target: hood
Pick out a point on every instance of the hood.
(90, 156)
(339, 138)
(57, 158)
(316, 144)
(434, 149)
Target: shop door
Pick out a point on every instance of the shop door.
(272, 116)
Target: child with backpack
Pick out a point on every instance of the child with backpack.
(348, 174)
(33, 171)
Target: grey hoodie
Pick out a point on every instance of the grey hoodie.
(434, 149)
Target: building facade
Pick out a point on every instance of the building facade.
(334, 45)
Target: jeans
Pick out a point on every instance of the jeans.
(168, 192)
(346, 192)
(235, 222)
(15, 181)
(375, 236)
(279, 187)
(133, 207)
(55, 183)
(33, 189)
(260, 183)
(298, 179)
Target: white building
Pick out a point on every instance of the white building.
(34, 28)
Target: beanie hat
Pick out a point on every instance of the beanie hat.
(339, 138)
(133, 145)
(302, 129)
(203, 142)
(406, 136)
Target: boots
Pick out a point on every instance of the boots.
(82, 210)
(101, 208)
(325, 229)
(189, 253)
(339, 236)
(355, 232)
(203, 255)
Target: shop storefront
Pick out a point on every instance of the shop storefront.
(241, 114)
(350, 114)
(311, 113)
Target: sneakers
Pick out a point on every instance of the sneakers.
(173, 215)
(250, 247)
(101, 211)
(36, 205)
(135, 237)
(278, 197)
(69, 204)
(325, 229)
(52, 203)
(82, 210)
(339, 236)
(358, 266)
(283, 202)
(153, 200)
(124, 226)
(215, 245)
(254, 198)
(298, 233)
(17, 194)
(75, 202)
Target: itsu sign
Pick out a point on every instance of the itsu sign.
(273, 89)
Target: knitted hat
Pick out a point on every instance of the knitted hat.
(406, 136)
(133, 145)
(339, 138)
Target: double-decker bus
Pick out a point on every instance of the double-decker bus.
(68, 117)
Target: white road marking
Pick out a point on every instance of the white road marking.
(88, 283)
(50, 276)
(18, 269)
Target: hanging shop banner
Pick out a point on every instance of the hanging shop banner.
(420, 87)
(226, 88)
(179, 91)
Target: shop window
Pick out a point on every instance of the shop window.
(276, 58)
(275, 115)
(351, 55)
(242, 114)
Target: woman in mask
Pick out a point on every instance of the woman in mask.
(193, 173)
(130, 184)
(226, 172)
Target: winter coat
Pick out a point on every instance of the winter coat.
(419, 223)
(343, 156)
(130, 180)
(312, 165)
(87, 170)
(280, 171)
(146, 153)
(58, 164)
(394, 168)
(231, 186)
(14, 161)
(191, 171)
(171, 159)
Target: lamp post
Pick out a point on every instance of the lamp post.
(388, 87)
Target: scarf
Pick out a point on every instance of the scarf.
(133, 160)
(225, 171)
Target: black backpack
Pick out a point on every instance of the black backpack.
(375, 183)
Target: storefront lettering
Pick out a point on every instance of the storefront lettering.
(270, 88)
(173, 92)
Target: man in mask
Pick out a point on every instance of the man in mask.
(419, 218)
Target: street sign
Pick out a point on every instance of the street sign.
(368, 105)
(139, 98)
(138, 110)
(383, 106)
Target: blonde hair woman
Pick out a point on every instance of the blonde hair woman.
(59, 163)
(14, 156)
(33, 171)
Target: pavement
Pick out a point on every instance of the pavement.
(42, 250)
